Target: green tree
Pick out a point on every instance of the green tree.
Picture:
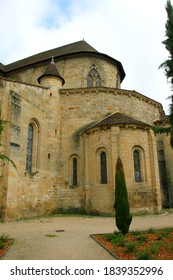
(168, 42)
(123, 217)
(4, 158)
(168, 67)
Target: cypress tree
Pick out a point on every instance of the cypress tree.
(123, 217)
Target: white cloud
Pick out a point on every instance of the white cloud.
(131, 31)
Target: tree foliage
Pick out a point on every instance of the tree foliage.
(123, 217)
(168, 42)
(168, 67)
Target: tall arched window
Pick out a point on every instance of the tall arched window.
(103, 168)
(75, 172)
(94, 79)
(137, 165)
(29, 148)
(32, 147)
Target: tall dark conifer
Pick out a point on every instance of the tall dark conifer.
(123, 217)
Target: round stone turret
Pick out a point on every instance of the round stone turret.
(51, 77)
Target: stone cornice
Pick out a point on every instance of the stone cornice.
(92, 130)
(115, 91)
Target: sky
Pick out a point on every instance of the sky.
(130, 31)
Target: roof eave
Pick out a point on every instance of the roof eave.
(27, 61)
(121, 125)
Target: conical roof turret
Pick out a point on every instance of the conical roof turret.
(51, 71)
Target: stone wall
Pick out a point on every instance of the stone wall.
(120, 142)
(35, 193)
(165, 156)
(73, 70)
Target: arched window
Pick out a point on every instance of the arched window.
(74, 170)
(29, 149)
(137, 165)
(103, 168)
(75, 181)
(32, 147)
(93, 79)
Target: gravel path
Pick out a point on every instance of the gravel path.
(68, 238)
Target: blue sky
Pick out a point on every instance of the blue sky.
(130, 31)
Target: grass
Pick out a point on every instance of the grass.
(139, 245)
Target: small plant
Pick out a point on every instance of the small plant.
(1, 244)
(130, 247)
(164, 234)
(4, 237)
(135, 233)
(144, 255)
(152, 231)
(117, 239)
(120, 241)
(154, 249)
(141, 238)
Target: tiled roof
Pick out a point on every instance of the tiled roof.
(118, 119)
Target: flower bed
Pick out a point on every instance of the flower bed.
(139, 245)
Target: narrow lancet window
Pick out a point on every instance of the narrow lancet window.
(75, 172)
(137, 166)
(29, 149)
(103, 167)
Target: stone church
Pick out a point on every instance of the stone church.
(68, 122)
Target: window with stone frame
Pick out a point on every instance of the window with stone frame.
(32, 147)
(94, 78)
(103, 168)
(29, 149)
(74, 172)
(137, 159)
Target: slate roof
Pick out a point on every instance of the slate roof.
(117, 119)
(51, 71)
(76, 48)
